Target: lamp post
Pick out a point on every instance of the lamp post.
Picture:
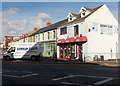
(116, 52)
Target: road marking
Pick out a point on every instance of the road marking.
(17, 71)
(63, 77)
(92, 76)
(78, 75)
(29, 75)
(67, 83)
(107, 79)
(74, 84)
(103, 81)
(11, 76)
(26, 71)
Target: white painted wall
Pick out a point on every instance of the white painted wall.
(103, 16)
(101, 43)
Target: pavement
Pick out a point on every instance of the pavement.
(48, 60)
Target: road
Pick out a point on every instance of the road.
(36, 73)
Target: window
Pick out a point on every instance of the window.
(84, 14)
(43, 36)
(88, 30)
(23, 39)
(76, 30)
(63, 30)
(48, 35)
(70, 18)
(39, 37)
(54, 34)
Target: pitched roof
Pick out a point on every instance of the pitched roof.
(75, 14)
(51, 27)
(79, 19)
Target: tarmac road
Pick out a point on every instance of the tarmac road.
(36, 73)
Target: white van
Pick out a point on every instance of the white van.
(24, 51)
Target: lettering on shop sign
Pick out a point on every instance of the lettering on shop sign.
(33, 48)
(106, 29)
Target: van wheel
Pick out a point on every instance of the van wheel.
(7, 58)
(33, 58)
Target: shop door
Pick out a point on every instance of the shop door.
(79, 52)
(61, 51)
(73, 51)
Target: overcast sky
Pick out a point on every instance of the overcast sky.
(21, 17)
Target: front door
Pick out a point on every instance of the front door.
(61, 51)
(79, 52)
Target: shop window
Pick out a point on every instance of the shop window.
(76, 30)
(73, 48)
(63, 30)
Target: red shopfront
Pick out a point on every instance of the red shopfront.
(71, 48)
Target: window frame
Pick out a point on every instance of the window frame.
(63, 31)
(76, 30)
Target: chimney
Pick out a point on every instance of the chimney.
(35, 29)
(7, 40)
(48, 23)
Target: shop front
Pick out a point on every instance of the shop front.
(71, 48)
(49, 49)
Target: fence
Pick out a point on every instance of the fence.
(102, 57)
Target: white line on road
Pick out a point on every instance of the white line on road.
(63, 77)
(29, 75)
(97, 83)
(11, 76)
(68, 83)
(91, 76)
(103, 81)
(77, 75)
(17, 71)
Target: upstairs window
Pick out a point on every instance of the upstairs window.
(70, 18)
(54, 34)
(63, 30)
(76, 30)
(43, 36)
(48, 35)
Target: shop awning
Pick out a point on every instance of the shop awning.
(61, 41)
(81, 39)
(70, 40)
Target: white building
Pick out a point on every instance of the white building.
(96, 31)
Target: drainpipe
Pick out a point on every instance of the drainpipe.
(56, 45)
(111, 53)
